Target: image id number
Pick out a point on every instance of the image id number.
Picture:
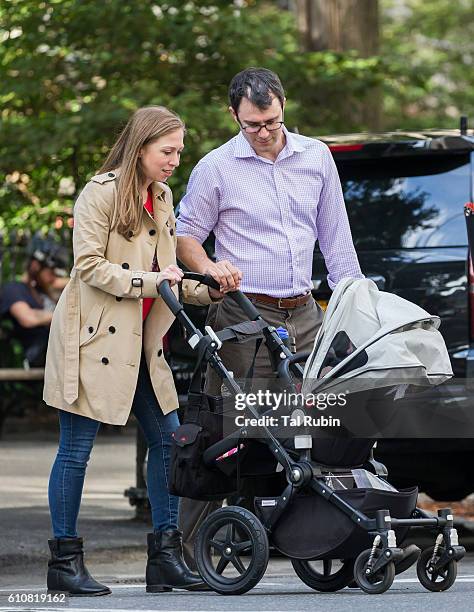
(37, 598)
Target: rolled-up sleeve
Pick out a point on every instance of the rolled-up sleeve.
(334, 232)
(199, 208)
(196, 293)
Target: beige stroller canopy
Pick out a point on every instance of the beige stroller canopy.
(371, 339)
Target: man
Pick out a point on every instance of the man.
(29, 303)
(268, 195)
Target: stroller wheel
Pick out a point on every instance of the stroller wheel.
(435, 580)
(323, 575)
(231, 550)
(375, 583)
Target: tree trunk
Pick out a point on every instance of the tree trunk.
(343, 25)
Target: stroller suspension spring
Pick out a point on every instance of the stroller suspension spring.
(375, 545)
(439, 541)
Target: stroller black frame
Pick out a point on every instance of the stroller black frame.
(374, 569)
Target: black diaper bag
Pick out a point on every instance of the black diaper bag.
(205, 422)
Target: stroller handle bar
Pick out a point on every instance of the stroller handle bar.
(174, 305)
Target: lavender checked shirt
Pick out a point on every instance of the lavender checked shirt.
(267, 216)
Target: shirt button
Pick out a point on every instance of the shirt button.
(91, 329)
(125, 266)
(119, 299)
(152, 232)
(112, 329)
(111, 174)
(160, 353)
(104, 360)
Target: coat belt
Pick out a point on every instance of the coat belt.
(71, 342)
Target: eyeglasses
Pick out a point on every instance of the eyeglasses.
(270, 126)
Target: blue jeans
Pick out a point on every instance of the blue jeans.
(77, 435)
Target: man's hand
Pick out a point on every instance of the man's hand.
(172, 273)
(191, 253)
(226, 274)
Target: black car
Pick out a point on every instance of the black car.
(405, 194)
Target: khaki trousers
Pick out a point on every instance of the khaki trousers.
(302, 323)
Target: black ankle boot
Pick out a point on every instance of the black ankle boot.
(166, 569)
(67, 572)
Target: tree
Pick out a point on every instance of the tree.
(339, 25)
(431, 50)
(72, 72)
(342, 26)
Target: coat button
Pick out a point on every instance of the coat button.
(125, 266)
(119, 299)
(104, 360)
(111, 174)
(112, 329)
(160, 353)
(171, 231)
(91, 329)
(152, 232)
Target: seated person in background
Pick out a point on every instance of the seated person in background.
(29, 303)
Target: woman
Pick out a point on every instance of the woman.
(105, 353)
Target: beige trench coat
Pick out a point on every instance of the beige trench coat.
(97, 334)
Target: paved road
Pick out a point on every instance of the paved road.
(280, 589)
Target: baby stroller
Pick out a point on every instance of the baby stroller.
(307, 513)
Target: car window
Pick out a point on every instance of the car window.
(407, 202)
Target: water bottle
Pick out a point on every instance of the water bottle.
(285, 338)
(225, 391)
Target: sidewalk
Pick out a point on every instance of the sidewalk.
(106, 518)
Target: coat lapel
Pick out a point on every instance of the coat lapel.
(162, 208)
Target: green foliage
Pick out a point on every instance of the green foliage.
(430, 46)
(73, 71)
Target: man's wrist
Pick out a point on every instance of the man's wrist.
(204, 265)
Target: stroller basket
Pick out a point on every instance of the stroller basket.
(326, 532)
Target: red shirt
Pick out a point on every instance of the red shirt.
(148, 302)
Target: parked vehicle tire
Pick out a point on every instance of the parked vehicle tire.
(448, 494)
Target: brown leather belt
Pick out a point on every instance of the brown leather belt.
(283, 303)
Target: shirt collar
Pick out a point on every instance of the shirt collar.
(293, 143)
(243, 148)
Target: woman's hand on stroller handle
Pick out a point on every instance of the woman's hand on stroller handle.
(173, 274)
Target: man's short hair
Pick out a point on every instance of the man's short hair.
(258, 85)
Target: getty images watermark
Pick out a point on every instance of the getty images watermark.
(264, 401)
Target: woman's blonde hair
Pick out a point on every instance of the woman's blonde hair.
(145, 126)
